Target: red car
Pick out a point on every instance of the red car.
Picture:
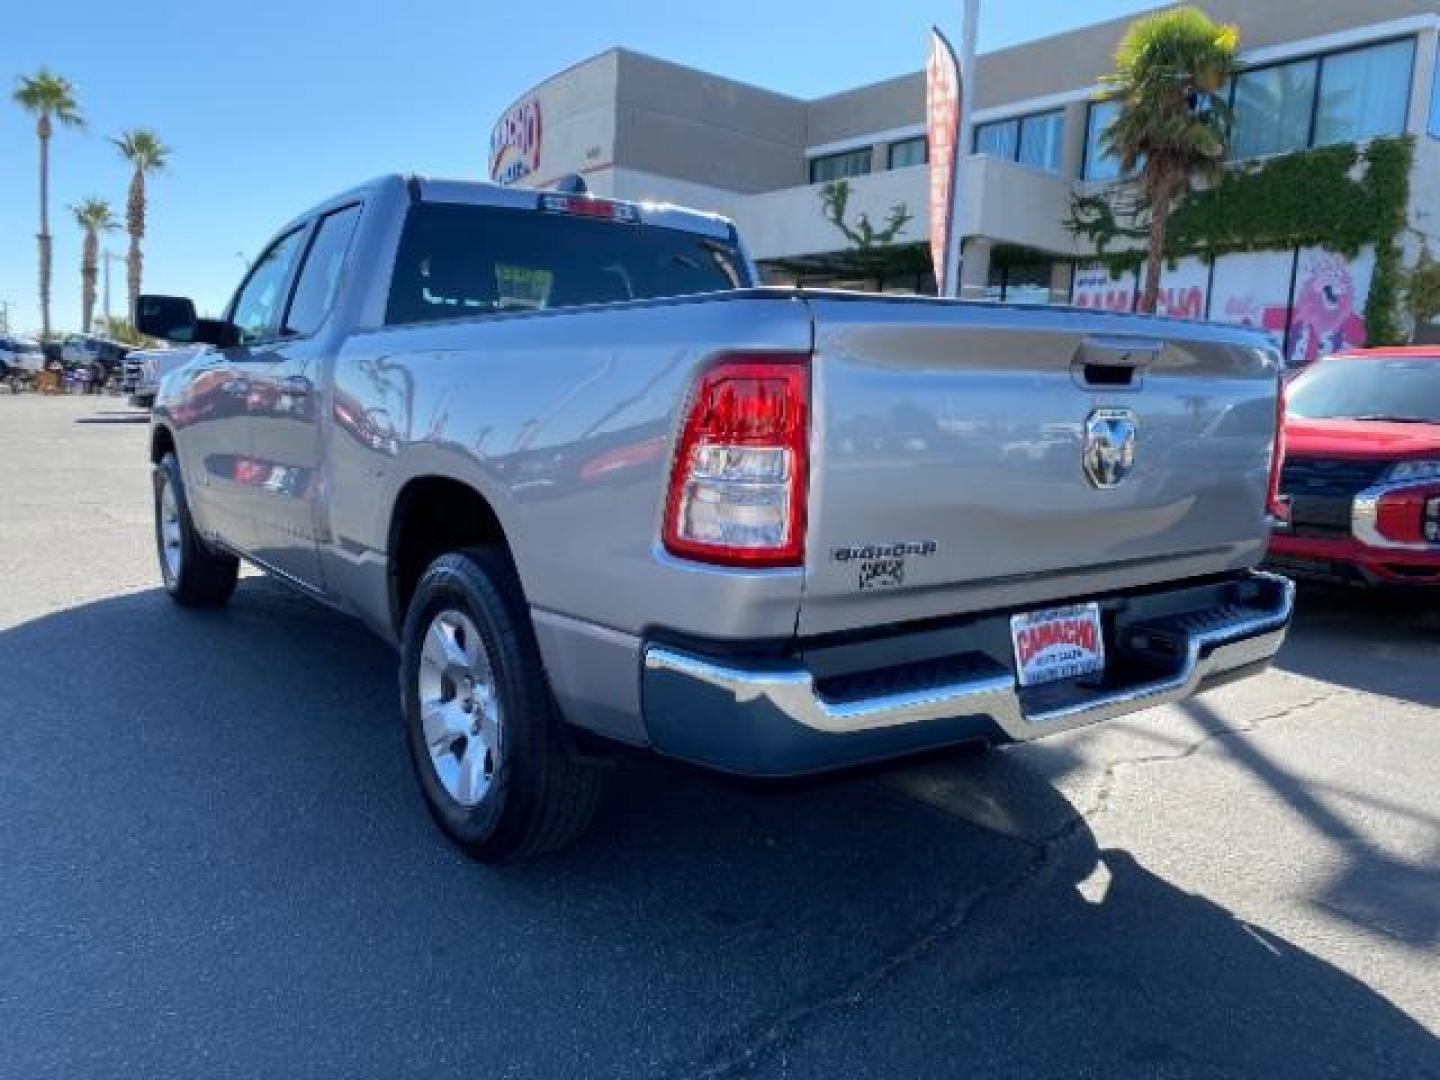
(1362, 469)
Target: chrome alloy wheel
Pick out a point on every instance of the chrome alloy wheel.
(459, 707)
(171, 551)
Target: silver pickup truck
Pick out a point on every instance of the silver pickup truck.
(599, 488)
(144, 368)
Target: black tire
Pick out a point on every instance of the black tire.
(197, 577)
(541, 796)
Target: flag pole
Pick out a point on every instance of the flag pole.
(963, 142)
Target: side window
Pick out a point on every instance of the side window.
(320, 273)
(257, 307)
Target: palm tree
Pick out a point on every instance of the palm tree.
(49, 98)
(1172, 124)
(143, 149)
(94, 217)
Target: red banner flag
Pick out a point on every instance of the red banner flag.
(942, 112)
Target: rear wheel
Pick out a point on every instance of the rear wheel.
(194, 575)
(484, 734)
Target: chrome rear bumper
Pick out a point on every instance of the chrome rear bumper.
(764, 719)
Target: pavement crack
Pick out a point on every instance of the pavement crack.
(744, 1051)
(1106, 788)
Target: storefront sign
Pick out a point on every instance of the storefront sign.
(942, 111)
(1183, 289)
(515, 143)
(1323, 314)
(1095, 288)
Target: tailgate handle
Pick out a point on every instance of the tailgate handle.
(1113, 363)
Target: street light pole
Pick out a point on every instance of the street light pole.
(964, 140)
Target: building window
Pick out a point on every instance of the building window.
(1343, 97)
(1272, 109)
(1042, 140)
(1099, 165)
(907, 152)
(1364, 93)
(1019, 283)
(1347, 96)
(840, 166)
(1000, 139)
(1037, 141)
(1435, 104)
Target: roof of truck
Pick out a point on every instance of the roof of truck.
(484, 193)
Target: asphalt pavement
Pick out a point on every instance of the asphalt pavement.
(214, 860)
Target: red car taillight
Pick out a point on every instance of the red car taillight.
(1276, 504)
(590, 206)
(738, 482)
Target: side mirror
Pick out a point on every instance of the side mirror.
(173, 319)
(168, 317)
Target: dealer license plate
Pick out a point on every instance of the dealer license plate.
(1062, 643)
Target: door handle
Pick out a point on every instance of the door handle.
(1113, 362)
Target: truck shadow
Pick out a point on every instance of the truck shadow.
(1373, 889)
(210, 826)
(121, 418)
(1380, 642)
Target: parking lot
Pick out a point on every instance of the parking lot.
(213, 860)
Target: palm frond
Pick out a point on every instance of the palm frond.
(1169, 70)
(46, 94)
(1171, 126)
(95, 214)
(142, 148)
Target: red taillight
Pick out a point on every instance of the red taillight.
(1276, 504)
(738, 482)
(589, 206)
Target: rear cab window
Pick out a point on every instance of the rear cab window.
(458, 260)
(319, 278)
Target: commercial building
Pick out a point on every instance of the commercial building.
(1317, 73)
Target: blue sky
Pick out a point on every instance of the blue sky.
(271, 105)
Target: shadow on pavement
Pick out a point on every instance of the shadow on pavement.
(216, 862)
(1375, 890)
(116, 418)
(1380, 642)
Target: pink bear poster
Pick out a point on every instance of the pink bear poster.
(1328, 310)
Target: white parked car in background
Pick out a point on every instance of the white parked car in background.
(144, 368)
(21, 355)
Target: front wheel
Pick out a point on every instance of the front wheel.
(194, 575)
(484, 733)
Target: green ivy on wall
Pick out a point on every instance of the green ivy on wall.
(863, 235)
(1340, 197)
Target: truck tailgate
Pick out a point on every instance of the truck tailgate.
(948, 448)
